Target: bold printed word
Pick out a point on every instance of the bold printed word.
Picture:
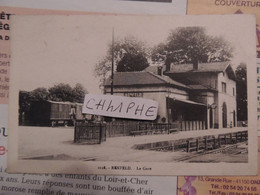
(238, 3)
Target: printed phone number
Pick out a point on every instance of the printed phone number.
(242, 190)
(212, 192)
(233, 187)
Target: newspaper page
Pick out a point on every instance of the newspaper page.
(220, 185)
(37, 143)
(177, 7)
(231, 7)
(60, 183)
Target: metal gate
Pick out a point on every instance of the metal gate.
(89, 133)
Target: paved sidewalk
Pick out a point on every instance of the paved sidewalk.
(58, 143)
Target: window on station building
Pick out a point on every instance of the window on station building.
(234, 92)
(224, 87)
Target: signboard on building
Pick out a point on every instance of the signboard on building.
(133, 94)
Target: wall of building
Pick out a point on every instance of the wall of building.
(218, 98)
(211, 100)
(155, 93)
(205, 79)
(229, 97)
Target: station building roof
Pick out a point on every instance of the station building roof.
(212, 67)
(142, 78)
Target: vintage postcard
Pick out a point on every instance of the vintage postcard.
(194, 67)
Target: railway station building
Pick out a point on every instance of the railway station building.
(187, 92)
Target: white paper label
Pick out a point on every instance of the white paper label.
(120, 106)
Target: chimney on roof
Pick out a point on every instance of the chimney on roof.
(159, 70)
(195, 65)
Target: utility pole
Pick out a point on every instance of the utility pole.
(112, 68)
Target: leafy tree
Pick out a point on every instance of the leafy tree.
(79, 93)
(191, 45)
(40, 93)
(60, 92)
(26, 98)
(64, 92)
(130, 54)
(130, 61)
(241, 92)
(24, 104)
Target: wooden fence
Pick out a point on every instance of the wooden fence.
(116, 129)
(142, 128)
(97, 132)
(89, 133)
(198, 144)
(192, 125)
(211, 142)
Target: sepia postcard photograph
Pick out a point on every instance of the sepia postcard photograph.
(133, 95)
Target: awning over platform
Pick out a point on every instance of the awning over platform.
(186, 101)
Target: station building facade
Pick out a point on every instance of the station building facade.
(186, 92)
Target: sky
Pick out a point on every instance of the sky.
(47, 50)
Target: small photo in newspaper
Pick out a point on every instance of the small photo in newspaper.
(133, 95)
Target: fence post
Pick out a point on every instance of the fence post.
(214, 143)
(219, 141)
(206, 143)
(188, 145)
(75, 133)
(108, 129)
(105, 132)
(197, 144)
(100, 133)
